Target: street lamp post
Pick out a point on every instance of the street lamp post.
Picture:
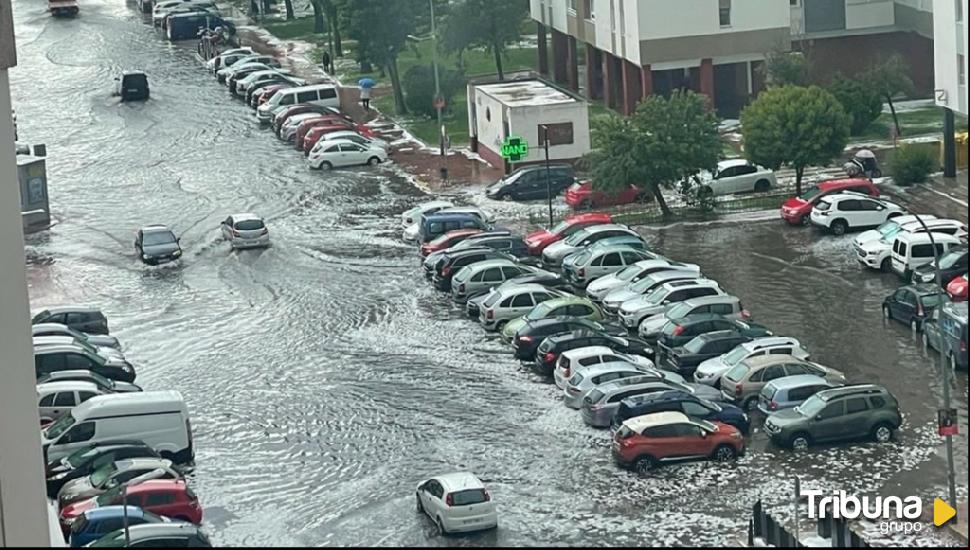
(124, 515)
(438, 105)
(545, 142)
(944, 371)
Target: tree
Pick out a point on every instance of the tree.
(381, 29)
(860, 101)
(796, 126)
(488, 24)
(787, 68)
(664, 142)
(890, 77)
(318, 22)
(289, 9)
(419, 90)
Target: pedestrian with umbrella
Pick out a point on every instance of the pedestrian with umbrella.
(365, 84)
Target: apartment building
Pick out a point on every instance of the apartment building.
(950, 55)
(634, 48)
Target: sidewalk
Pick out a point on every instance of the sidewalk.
(959, 527)
(942, 197)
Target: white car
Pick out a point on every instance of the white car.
(737, 176)
(115, 473)
(457, 502)
(844, 211)
(888, 229)
(504, 304)
(555, 253)
(265, 63)
(227, 58)
(245, 231)
(594, 355)
(634, 311)
(877, 253)
(600, 288)
(353, 136)
(334, 154)
(292, 124)
(709, 372)
(55, 399)
(413, 216)
(258, 77)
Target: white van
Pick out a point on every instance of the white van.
(911, 250)
(159, 418)
(316, 94)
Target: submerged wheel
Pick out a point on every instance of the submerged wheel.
(644, 464)
(882, 433)
(800, 442)
(724, 453)
(373, 161)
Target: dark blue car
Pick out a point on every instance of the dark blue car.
(680, 401)
(98, 522)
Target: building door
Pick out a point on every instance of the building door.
(824, 15)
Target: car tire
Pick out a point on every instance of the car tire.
(887, 314)
(877, 173)
(724, 453)
(644, 464)
(925, 339)
(886, 266)
(500, 325)
(839, 227)
(914, 326)
(761, 186)
(374, 161)
(586, 204)
(440, 526)
(803, 221)
(326, 166)
(882, 433)
(800, 442)
(507, 197)
(705, 192)
(749, 404)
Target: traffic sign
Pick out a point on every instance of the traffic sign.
(439, 102)
(514, 148)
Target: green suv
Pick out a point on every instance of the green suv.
(849, 412)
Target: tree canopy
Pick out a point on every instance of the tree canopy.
(488, 24)
(890, 77)
(860, 100)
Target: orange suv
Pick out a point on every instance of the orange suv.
(643, 442)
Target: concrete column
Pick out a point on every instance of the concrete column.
(949, 146)
(559, 54)
(631, 86)
(23, 508)
(707, 78)
(646, 81)
(594, 73)
(572, 67)
(543, 50)
(609, 80)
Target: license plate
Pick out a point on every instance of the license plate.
(469, 521)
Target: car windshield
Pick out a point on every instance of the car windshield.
(810, 193)
(950, 258)
(582, 258)
(890, 227)
(811, 406)
(656, 296)
(41, 315)
(628, 273)
(560, 227)
(156, 238)
(734, 356)
(59, 426)
(594, 396)
(102, 474)
(678, 310)
(492, 298)
(539, 312)
(737, 372)
(930, 300)
(576, 379)
(695, 345)
(823, 205)
(511, 178)
(577, 237)
(81, 456)
(463, 274)
(111, 496)
(249, 225)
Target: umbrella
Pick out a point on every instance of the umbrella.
(366, 82)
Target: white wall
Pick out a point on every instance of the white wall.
(864, 14)
(524, 122)
(539, 11)
(949, 40)
(490, 131)
(667, 19)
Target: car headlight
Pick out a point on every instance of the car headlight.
(737, 435)
(177, 253)
(145, 257)
(126, 367)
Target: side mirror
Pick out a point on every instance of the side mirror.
(818, 417)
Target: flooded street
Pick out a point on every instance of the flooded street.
(325, 378)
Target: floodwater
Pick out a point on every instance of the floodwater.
(325, 378)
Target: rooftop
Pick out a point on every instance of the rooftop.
(527, 93)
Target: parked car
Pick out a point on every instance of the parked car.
(911, 304)
(457, 502)
(584, 379)
(168, 535)
(257, 78)
(261, 95)
(55, 399)
(81, 318)
(579, 358)
(324, 95)
(876, 253)
(333, 123)
(333, 154)
(532, 182)
(952, 264)
(586, 266)
(679, 332)
(537, 241)
(842, 212)
(447, 240)
(644, 442)
(957, 288)
(349, 135)
(709, 372)
(742, 384)
(115, 473)
(40, 330)
(797, 210)
(107, 353)
(614, 300)
(527, 339)
(87, 460)
(245, 231)
(600, 288)
(48, 359)
(477, 277)
(228, 69)
(227, 57)
(914, 250)
(100, 522)
(736, 176)
(166, 497)
(498, 240)
(452, 262)
(602, 402)
(582, 196)
(289, 128)
(156, 244)
(278, 116)
(633, 312)
(549, 349)
(565, 306)
(432, 226)
(685, 359)
(503, 305)
(677, 400)
(725, 305)
(836, 414)
(105, 385)
(889, 228)
(553, 254)
(946, 332)
(790, 391)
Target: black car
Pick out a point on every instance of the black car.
(912, 304)
(509, 244)
(685, 359)
(528, 338)
(532, 182)
(133, 86)
(80, 318)
(680, 331)
(452, 262)
(680, 401)
(88, 459)
(952, 264)
(553, 346)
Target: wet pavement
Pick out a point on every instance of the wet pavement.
(325, 378)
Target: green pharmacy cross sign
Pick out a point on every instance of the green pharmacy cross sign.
(515, 149)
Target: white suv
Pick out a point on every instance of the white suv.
(844, 211)
(877, 253)
(457, 502)
(577, 358)
(709, 372)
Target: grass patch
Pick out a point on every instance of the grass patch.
(917, 122)
(300, 28)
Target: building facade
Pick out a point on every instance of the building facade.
(950, 55)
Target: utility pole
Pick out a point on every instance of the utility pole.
(438, 100)
(949, 144)
(545, 139)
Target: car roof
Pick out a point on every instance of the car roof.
(771, 341)
(653, 397)
(714, 299)
(485, 264)
(609, 366)
(612, 247)
(589, 216)
(729, 163)
(309, 87)
(567, 300)
(839, 182)
(41, 327)
(114, 511)
(576, 333)
(153, 485)
(146, 402)
(640, 423)
(852, 389)
(606, 226)
(54, 340)
(761, 361)
(797, 381)
(554, 320)
(245, 217)
(584, 352)
(443, 215)
(54, 310)
(67, 385)
(718, 335)
(924, 238)
(175, 528)
(931, 222)
(459, 481)
(521, 288)
(690, 283)
(143, 462)
(838, 197)
(58, 348)
(696, 318)
(155, 228)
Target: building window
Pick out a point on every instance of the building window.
(961, 70)
(587, 9)
(959, 9)
(793, 3)
(559, 134)
(572, 5)
(724, 12)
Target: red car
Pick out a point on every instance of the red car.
(165, 497)
(447, 240)
(269, 91)
(796, 210)
(537, 241)
(309, 124)
(957, 288)
(581, 195)
(301, 108)
(645, 442)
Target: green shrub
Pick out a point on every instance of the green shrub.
(912, 164)
(418, 86)
(861, 101)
